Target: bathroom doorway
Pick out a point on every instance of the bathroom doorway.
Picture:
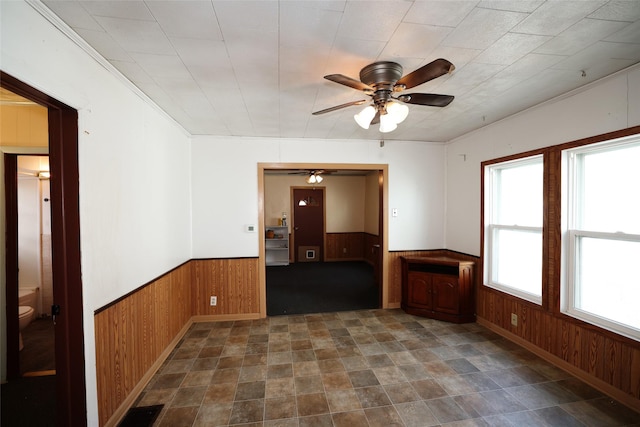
(68, 385)
(35, 276)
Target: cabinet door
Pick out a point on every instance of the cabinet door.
(446, 293)
(419, 290)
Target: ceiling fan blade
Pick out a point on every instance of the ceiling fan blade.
(428, 72)
(431, 99)
(348, 81)
(337, 107)
(376, 118)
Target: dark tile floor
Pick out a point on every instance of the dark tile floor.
(366, 368)
(38, 353)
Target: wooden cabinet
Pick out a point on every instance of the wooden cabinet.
(276, 245)
(438, 287)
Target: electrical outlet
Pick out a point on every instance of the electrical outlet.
(514, 319)
(344, 250)
(214, 301)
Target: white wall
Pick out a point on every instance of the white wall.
(608, 105)
(28, 231)
(372, 203)
(225, 188)
(134, 169)
(344, 204)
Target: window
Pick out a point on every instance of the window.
(513, 216)
(601, 234)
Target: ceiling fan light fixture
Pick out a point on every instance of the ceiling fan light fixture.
(397, 111)
(364, 117)
(387, 124)
(314, 178)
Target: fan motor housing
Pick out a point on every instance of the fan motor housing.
(381, 75)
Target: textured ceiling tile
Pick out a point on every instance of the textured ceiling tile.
(302, 25)
(195, 20)
(442, 13)
(620, 10)
(483, 27)
(73, 15)
(137, 36)
(258, 69)
(247, 15)
(136, 10)
(162, 66)
(554, 17)
(132, 71)
(456, 55)
(361, 21)
(512, 5)
(629, 34)
(510, 48)
(207, 61)
(414, 40)
(602, 58)
(465, 79)
(579, 36)
(254, 58)
(522, 70)
(104, 44)
(302, 72)
(349, 55)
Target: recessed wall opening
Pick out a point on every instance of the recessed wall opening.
(335, 237)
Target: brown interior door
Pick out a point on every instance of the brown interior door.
(308, 224)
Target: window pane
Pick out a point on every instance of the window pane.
(609, 198)
(519, 195)
(517, 260)
(607, 286)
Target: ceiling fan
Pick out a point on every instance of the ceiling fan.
(380, 80)
(314, 176)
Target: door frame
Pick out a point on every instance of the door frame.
(71, 405)
(383, 218)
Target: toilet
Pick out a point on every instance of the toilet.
(27, 300)
(25, 316)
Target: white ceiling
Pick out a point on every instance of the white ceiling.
(255, 68)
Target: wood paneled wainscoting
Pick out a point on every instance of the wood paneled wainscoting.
(351, 246)
(137, 332)
(607, 361)
(344, 246)
(235, 284)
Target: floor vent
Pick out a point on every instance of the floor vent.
(143, 416)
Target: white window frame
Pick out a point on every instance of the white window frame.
(571, 236)
(491, 228)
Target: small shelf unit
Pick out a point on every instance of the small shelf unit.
(276, 246)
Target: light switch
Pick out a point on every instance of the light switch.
(394, 212)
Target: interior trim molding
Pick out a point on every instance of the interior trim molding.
(224, 317)
(596, 383)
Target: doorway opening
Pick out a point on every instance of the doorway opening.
(337, 235)
(35, 275)
(69, 381)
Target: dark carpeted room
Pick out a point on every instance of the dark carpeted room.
(319, 287)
